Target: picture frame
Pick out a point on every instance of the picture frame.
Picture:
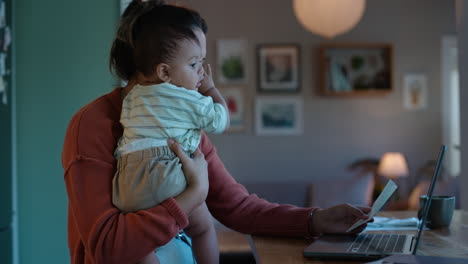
(356, 69)
(279, 116)
(235, 100)
(231, 61)
(278, 68)
(415, 91)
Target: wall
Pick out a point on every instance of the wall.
(337, 130)
(62, 52)
(462, 28)
(62, 48)
(7, 205)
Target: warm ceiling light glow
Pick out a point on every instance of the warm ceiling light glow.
(329, 18)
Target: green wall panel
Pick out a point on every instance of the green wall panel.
(6, 251)
(6, 146)
(62, 51)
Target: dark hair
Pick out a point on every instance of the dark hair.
(149, 33)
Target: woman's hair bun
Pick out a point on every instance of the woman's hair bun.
(134, 10)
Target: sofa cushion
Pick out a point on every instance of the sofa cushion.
(355, 187)
(294, 193)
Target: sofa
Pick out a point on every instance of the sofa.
(354, 186)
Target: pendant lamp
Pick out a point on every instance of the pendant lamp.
(329, 18)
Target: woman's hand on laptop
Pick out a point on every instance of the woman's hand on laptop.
(338, 219)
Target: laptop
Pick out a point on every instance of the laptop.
(368, 246)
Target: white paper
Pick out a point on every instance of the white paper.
(386, 223)
(387, 192)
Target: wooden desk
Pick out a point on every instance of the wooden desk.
(231, 242)
(448, 242)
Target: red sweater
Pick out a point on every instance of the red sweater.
(99, 233)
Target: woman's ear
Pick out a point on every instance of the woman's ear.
(162, 70)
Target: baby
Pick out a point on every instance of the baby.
(177, 100)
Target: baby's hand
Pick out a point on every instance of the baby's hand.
(207, 82)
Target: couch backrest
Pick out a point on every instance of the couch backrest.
(355, 187)
(294, 193)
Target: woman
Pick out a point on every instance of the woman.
(100, 233)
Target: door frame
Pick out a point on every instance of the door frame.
(450, 104)
(14, 181)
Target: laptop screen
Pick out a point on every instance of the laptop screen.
(429, 195)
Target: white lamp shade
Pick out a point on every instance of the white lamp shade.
(329, 18)
(393, 165)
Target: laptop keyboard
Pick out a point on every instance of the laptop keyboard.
(378, 243)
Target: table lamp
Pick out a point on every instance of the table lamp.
(392, 165)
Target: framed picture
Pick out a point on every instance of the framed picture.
(232, 61)
(278, 116)
(356, 69)
(278, 68)
(415, 91)
(235, 100)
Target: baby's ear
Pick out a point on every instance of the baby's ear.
(162, 70)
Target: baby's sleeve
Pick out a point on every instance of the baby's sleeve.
(214, 118)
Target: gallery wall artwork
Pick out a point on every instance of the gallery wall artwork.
(415, 91)
(278, 68)
(235, 100)
(279, 116)
(355, 69)
(231, 61)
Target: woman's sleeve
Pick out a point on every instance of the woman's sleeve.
(231, 204)
(108, 235)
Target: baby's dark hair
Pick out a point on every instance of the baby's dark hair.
(149, 33)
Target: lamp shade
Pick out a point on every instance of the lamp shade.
(393, 165)
(329, 18)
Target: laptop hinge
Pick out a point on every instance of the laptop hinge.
(412, 243)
